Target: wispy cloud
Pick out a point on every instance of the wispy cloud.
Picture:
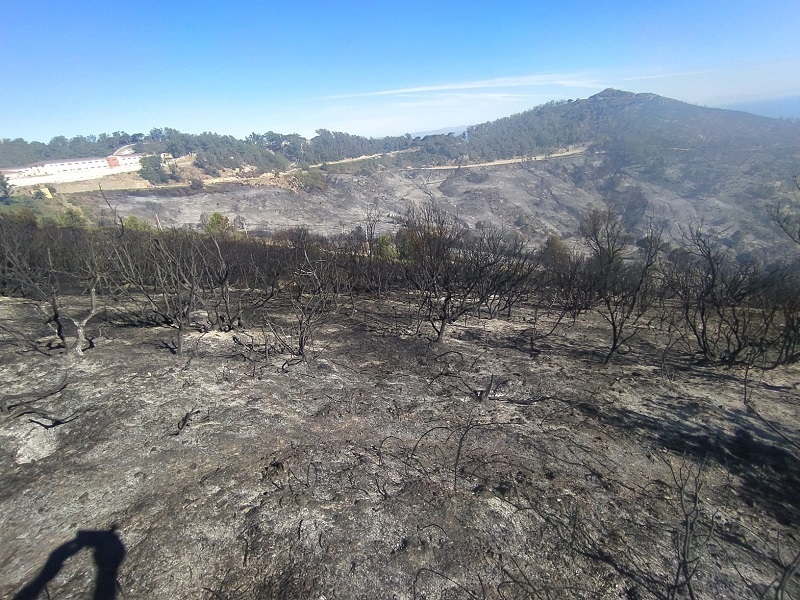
(572, 80)
(450, 98)
(671, 75)
(396, 110)
(428, 107)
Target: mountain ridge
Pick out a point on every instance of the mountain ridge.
(553, 125)
(646, 157)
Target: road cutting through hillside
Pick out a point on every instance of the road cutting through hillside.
(506, 161)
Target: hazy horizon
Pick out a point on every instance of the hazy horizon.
(371, 69)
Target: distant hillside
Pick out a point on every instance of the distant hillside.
(642, 130)
(642, 154)
(645, 131)
(648, 148)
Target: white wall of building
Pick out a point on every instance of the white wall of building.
(79, 169)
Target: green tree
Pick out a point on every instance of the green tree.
(72, 217)
(153, 170)
(311, 180)
(218, 224)
(134, 223)
(385, 248)
(5, 188)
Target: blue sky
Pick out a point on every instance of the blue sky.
(372, 68)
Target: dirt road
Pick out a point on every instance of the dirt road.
(508, 161)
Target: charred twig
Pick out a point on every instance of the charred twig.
(187, 419)
(689, 536)
(18, 405)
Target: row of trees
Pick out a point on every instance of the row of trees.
(708, 304)
(18, 152)
(263, 152)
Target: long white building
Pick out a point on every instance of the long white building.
(72, 169)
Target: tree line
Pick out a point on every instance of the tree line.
(18, 152)
(708, 305)
(261, 152)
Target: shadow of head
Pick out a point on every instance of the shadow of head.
(108, 552)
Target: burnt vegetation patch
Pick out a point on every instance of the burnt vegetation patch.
(438, 413)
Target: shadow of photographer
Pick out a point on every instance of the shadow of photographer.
(108, 552)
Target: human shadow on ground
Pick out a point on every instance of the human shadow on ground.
(108, 552)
